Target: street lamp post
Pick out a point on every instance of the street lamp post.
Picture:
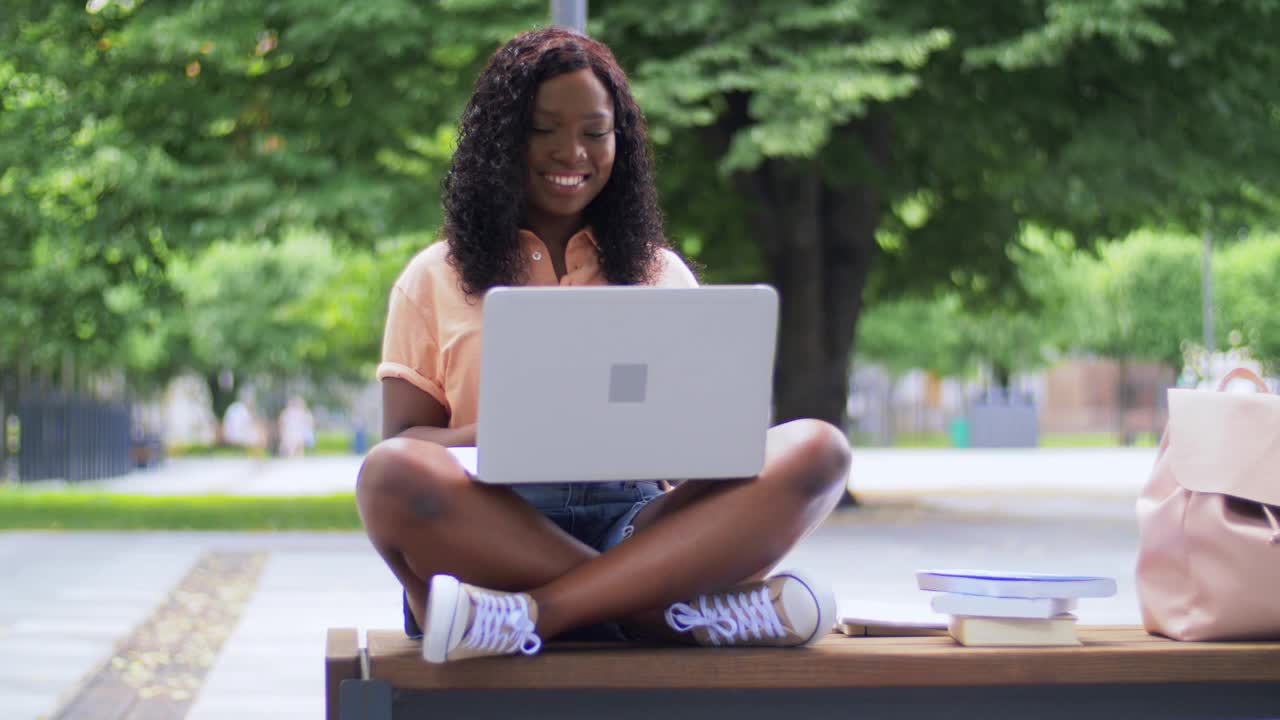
(1206, 270)
(570, 14)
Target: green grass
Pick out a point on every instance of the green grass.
(72, 510)
(335, 443)
(1047, 440)
(922, 440)
(903, 440)
(327, 443)
(193, 450)
(1093, 440)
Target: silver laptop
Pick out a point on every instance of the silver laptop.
(625, 383)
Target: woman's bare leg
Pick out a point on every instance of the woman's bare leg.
(703, 537)
(426, 516)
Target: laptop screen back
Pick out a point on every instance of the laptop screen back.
(625, 383)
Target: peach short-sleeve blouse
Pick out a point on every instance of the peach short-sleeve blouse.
(432, 336)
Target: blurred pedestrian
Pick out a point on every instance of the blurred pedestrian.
(241, 427)
(297, 428)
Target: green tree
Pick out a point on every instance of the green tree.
(952, 333)
(299, 309)
(924, 137)
(1143, 298)
(133, 135)
(798, 142)
(350, 309)
(247, 312)
(1247, 285)
(1140, 301)
(947, 338)
(912, 333)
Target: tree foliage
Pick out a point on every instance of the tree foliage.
(134, 135)
(1143, 299)
(1078, 115)
(925, 138)
(836, 148)
(1139, 299)
(301, 308)
(1247, 290)
(950, 337)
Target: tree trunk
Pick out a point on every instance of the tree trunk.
(890, 417)
(220, 399)
(818, 239)
(1122, 405)
(276, 398)
(7, 408)
(1002, 376)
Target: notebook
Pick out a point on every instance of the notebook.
(858, 616)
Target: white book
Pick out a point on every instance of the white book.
(996, 583)
(1007, 607)
(859, 616)
(1000, 632)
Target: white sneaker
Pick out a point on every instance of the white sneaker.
(464, 621)
(785, 610)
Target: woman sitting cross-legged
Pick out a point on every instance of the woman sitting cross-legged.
(552, 184)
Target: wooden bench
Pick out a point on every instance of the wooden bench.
(1118, 672)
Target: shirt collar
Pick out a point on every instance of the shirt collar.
(581, 259)
(585, 235)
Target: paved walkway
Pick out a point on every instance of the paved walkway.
(1059, 472)
(236, 476)
(69, 597)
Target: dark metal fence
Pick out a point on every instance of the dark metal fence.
(73, 438)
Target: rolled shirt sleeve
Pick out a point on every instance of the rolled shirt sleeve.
(410, 350)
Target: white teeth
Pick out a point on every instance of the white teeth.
(566, 180)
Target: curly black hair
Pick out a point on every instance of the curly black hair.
(484, 190)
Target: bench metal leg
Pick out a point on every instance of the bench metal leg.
(364, 700)
(1167, 702)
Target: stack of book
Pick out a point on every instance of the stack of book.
(1000, 608)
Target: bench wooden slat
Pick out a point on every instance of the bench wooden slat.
(341, 662)
(1109, 656)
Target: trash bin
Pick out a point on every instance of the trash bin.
(958, 429)
(999, 421)
(360, 443)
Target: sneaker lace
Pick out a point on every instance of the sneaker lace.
(729, 617)
(501, 624)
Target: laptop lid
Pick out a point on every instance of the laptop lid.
(625, 383)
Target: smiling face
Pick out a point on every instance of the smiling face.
(571, 146)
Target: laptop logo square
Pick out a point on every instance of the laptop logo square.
(627, 382)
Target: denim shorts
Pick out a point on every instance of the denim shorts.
(598, 514)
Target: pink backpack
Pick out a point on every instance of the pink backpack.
(1209, 545)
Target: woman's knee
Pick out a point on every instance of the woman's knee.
(818, 457)
(413, 475)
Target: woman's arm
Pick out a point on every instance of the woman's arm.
(412, 413)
